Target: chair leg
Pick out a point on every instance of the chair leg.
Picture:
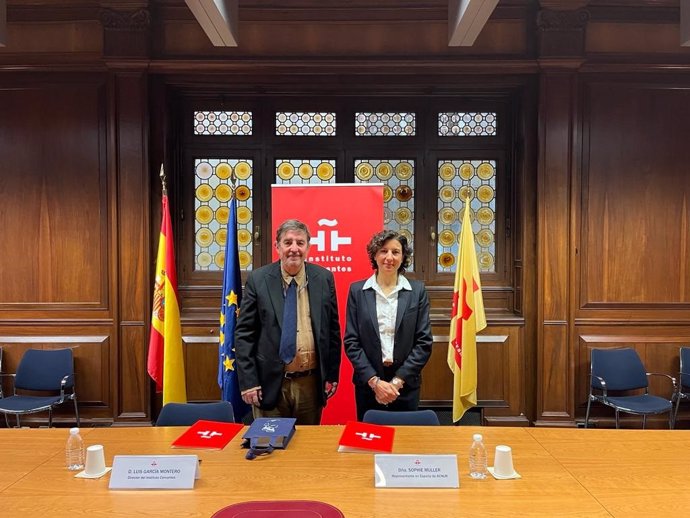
(17, 416)
(670, 419)
(76, 410)
(50, 418)
(617, 420)
(644, 422)
(589, 403)
(675, 414)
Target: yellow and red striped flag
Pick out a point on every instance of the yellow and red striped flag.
(165, 361)
(467, 319)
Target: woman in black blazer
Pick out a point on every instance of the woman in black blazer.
(388, 332)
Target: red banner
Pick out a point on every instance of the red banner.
(341, 218)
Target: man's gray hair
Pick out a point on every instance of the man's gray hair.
(292, 224)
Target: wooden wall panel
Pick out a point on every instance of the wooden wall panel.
(53, 197)
(636, 209)
(201, 363)
(554, 218)
(129, 116)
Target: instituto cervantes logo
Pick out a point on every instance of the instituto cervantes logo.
(329, 245)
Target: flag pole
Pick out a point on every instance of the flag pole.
(162, 176)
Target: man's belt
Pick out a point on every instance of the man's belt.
(299, 374)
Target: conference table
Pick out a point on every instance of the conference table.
(565, 472)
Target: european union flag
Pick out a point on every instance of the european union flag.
(230, 307)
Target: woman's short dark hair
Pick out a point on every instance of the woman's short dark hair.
(378, 240)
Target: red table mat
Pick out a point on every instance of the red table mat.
(280, 509)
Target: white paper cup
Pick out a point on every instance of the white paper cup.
(503, 461)
(95, 460)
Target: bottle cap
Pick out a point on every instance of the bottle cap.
(74, 431)
(477, 437)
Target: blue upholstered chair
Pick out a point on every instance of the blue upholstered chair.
(620, 370)
(186, 414)
(409, 418)
(683, 390)
(48, 371)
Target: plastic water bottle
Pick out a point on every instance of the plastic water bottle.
(477, 458)
(74, 450)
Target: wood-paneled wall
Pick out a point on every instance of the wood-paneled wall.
(599, 193)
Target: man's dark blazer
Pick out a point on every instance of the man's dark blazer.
(257, 333)
(412, 342)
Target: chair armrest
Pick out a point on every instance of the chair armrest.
(673, 380)
(603, 385)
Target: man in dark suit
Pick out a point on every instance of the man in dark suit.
(276, 377)
(388, 331)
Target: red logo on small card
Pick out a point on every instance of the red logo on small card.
(207, 435)
(365, 437)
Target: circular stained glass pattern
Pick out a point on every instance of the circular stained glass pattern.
(485, 215)
(384, 171)
(466, 192)
(305, 171)
(244, 237)
(447, 216)
(485, 171)
(446, 260)
(325, 171)
(446, 171)
(204, 214)
(222, 236)
(222, 215)
(364, 171)
(244, 215)
(204, 259)
(204, 192)
(286, 170)
(245, 258)
(466, 171)
(223, 192)
(204, 170)
(486, 260)
(219, 259)
(403, 170)
(403, 215)
(204, 237)
(243, 170)
(407, 234)
(485, 237)
(403, 193)
(485, 193)
(242, 193)
(387, 216)
(387, 193)
(446, 237)
(223, 170)
(447, 193)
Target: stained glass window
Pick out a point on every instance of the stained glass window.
(398, 191)
(214, 190)
(467, 124)
(301, 171)
(222, 123)
(459, 180)
(393, 124)
(305, 124)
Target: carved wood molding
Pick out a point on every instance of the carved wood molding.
(138, 20)
(548, 20)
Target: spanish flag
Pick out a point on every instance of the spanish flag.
(165, 361)
(467, 319)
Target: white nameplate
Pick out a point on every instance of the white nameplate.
(416, 470)
(154, 471)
